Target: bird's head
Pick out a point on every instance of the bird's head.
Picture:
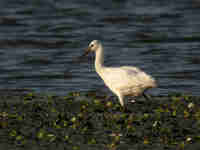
(93, 46)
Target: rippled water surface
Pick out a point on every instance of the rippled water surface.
(40, 39)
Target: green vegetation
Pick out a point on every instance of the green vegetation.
(87, 121)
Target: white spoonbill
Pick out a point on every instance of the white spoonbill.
(122, 81)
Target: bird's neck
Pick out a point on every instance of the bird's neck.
(99, 60)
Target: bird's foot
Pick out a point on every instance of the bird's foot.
(124, 110)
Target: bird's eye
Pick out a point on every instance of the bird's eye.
(92, 45)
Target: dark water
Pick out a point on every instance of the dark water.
(39, 39)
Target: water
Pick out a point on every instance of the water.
(39, 39)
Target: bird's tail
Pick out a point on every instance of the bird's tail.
(153, 83)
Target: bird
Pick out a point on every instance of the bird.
(122, 81)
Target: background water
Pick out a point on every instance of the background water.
(39, 39)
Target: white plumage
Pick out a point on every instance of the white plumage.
(122, 81)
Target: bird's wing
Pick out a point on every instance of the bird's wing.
(143, 79)
(131, 71)
(122, 76)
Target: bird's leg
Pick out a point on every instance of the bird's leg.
(124, 109)
(146, 96)
(132, 101)
(121, 100)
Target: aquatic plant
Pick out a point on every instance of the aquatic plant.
(84, 119)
